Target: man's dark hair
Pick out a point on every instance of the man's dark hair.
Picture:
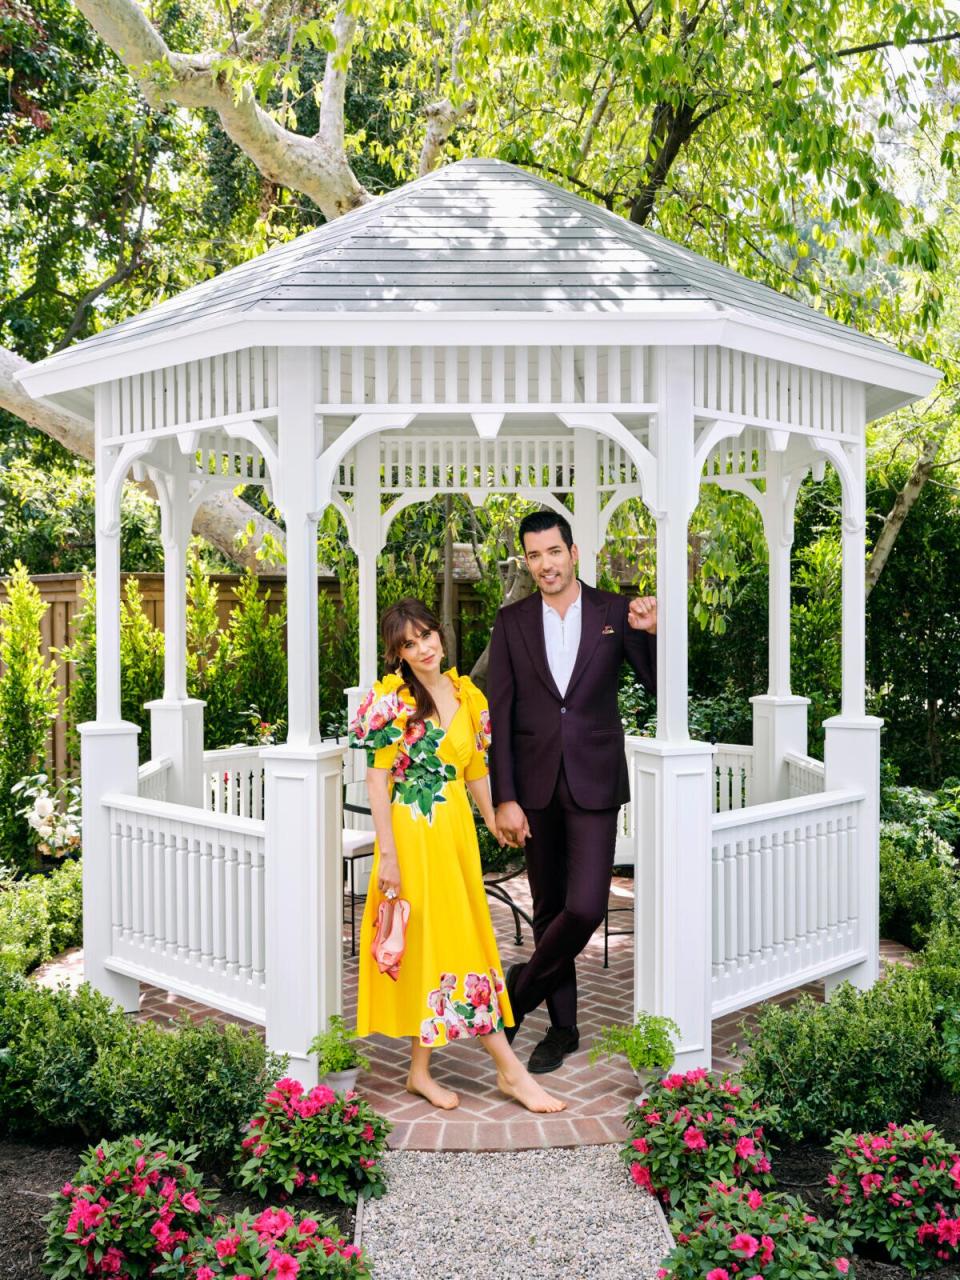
(541, 521)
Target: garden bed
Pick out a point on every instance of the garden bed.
(30, 1174)
(801, 1169)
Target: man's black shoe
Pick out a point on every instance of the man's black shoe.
(510, 981)
(552, 1049)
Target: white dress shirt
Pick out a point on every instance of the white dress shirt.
(562, 638)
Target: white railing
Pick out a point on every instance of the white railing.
(805, 776)
(784, 895)
(187, 901)
(733, 777)
(233, 782)
(153, 777)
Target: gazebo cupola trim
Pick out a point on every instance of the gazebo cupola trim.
(478, 331)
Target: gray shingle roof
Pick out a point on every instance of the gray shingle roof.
(479, 235)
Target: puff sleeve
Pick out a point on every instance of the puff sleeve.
(479, 714)
(377, 728)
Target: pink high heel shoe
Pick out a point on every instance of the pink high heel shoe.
(389, 940)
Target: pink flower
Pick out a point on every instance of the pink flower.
(842, 1265)
(641, 1145)
(766, 1257)
(870, 1181)
(414, 732)
(368, 1135)
(205, 1273)
(308, 1227)
(718, 1273)
(754, 1199)
(67, 1189)
(227, 1247)
(350, 1251)
(285, 1266)
(161, 1231)
(745, 1245)
(694, 1139)
(190, 1202)
(640, 1173)
(652, 1117)
(746, 1147)
(111, 1262)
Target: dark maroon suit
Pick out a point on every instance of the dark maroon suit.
(561, 757)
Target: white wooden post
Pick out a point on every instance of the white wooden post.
(303, 779)
(176, 721)
(108, 745)
(779, 717)
(671, 775)
(369, 542)
(586, 504)
(852, 739)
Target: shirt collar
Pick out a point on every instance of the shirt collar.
(570, 608)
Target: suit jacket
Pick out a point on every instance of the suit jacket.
(534, 727)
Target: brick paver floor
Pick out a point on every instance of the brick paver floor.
(596, 1096)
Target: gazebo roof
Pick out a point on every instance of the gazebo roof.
(479, 237)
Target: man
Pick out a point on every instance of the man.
(557, 762)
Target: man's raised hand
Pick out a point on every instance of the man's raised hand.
(642, 614)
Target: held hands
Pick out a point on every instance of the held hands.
(389, 878)
(491, 825)
(642, 614)
(512, 826)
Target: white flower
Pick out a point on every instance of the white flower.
(43, 806)
(70, 831)
(45, 830)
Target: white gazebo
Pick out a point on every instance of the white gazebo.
(477, 331)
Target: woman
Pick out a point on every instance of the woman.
(425, 732)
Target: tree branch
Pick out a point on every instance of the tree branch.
(444, 115)
(317, 167)
(901, 509)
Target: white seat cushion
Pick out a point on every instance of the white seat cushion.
(356, 843)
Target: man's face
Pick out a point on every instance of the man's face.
(550, 561)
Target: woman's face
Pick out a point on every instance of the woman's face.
(422, 650)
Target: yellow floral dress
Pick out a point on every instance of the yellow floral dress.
(450, 984)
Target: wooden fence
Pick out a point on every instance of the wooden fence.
(61, 591)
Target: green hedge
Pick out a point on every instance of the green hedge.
(74, 1062)
(40, 917)
(860, 1060)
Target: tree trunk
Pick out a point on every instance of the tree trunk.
(449, 586)
(517, 584)
(901, 508)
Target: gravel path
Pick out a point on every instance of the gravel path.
(529, 1215)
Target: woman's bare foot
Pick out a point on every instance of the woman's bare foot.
(524, 1089)
(425, 1086)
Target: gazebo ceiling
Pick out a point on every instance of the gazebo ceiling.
(475, 239)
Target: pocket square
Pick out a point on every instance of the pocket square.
(608, 631)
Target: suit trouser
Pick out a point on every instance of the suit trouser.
(569, 864)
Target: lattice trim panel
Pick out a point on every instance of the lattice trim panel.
(226, 386)
(355, 378)
(739, 385)
(410, 463)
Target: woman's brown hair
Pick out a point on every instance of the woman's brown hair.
(393, 629)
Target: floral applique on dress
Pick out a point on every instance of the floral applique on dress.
(477, 1014)
(419, 775)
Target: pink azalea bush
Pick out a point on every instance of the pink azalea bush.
(900, 1189)
(695, 1129)
(275, 1245)
(130, 1202)
(740, 1233)
(328, 1143)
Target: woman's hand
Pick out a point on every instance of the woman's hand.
(491, 825)
(389, 877)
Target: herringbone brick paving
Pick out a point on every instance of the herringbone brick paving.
(596, 1096)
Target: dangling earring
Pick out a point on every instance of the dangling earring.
(398, 669)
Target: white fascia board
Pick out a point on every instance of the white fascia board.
(677, 324)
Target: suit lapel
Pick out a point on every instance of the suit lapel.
(532, 631)
(593, 613)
